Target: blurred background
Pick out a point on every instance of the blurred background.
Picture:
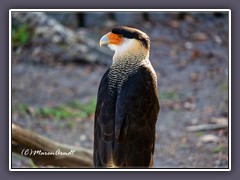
(57, 65)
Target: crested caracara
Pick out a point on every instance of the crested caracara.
(127, 103)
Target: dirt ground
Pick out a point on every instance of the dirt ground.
(190, 57)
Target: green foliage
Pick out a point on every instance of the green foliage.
(20, 35)
(223, 86)
(168, 95)
(200, 133)
(84, 110)
(71, 110)
(89, 108)
(20, 108)
(218, 149)
(71, 124)
(58, 112)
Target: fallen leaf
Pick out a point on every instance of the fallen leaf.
(208, 110)
(209, 138)
(194, 77)
(195, 54)
(220, 120)
(189, 106)
(199, 36)
(174, 24)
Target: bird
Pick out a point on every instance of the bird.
(127, 104)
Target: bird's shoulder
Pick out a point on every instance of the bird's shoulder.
(104, 77)
(144, 77)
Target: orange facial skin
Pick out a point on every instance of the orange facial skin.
(114, 38)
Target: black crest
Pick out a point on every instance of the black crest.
(132, 33)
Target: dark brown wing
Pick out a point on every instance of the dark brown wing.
(136, 114)
(124, 128)
(104, 125)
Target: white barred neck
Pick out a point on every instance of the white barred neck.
(126, 60)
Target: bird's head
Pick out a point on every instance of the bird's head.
(125, 40)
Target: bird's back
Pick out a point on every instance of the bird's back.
(125, 119)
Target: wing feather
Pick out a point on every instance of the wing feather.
(104, 125)
(124, 129)
(135, 118)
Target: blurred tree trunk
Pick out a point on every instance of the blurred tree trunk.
(44, 151)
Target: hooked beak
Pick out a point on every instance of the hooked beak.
(111, 38)
(104, 40)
